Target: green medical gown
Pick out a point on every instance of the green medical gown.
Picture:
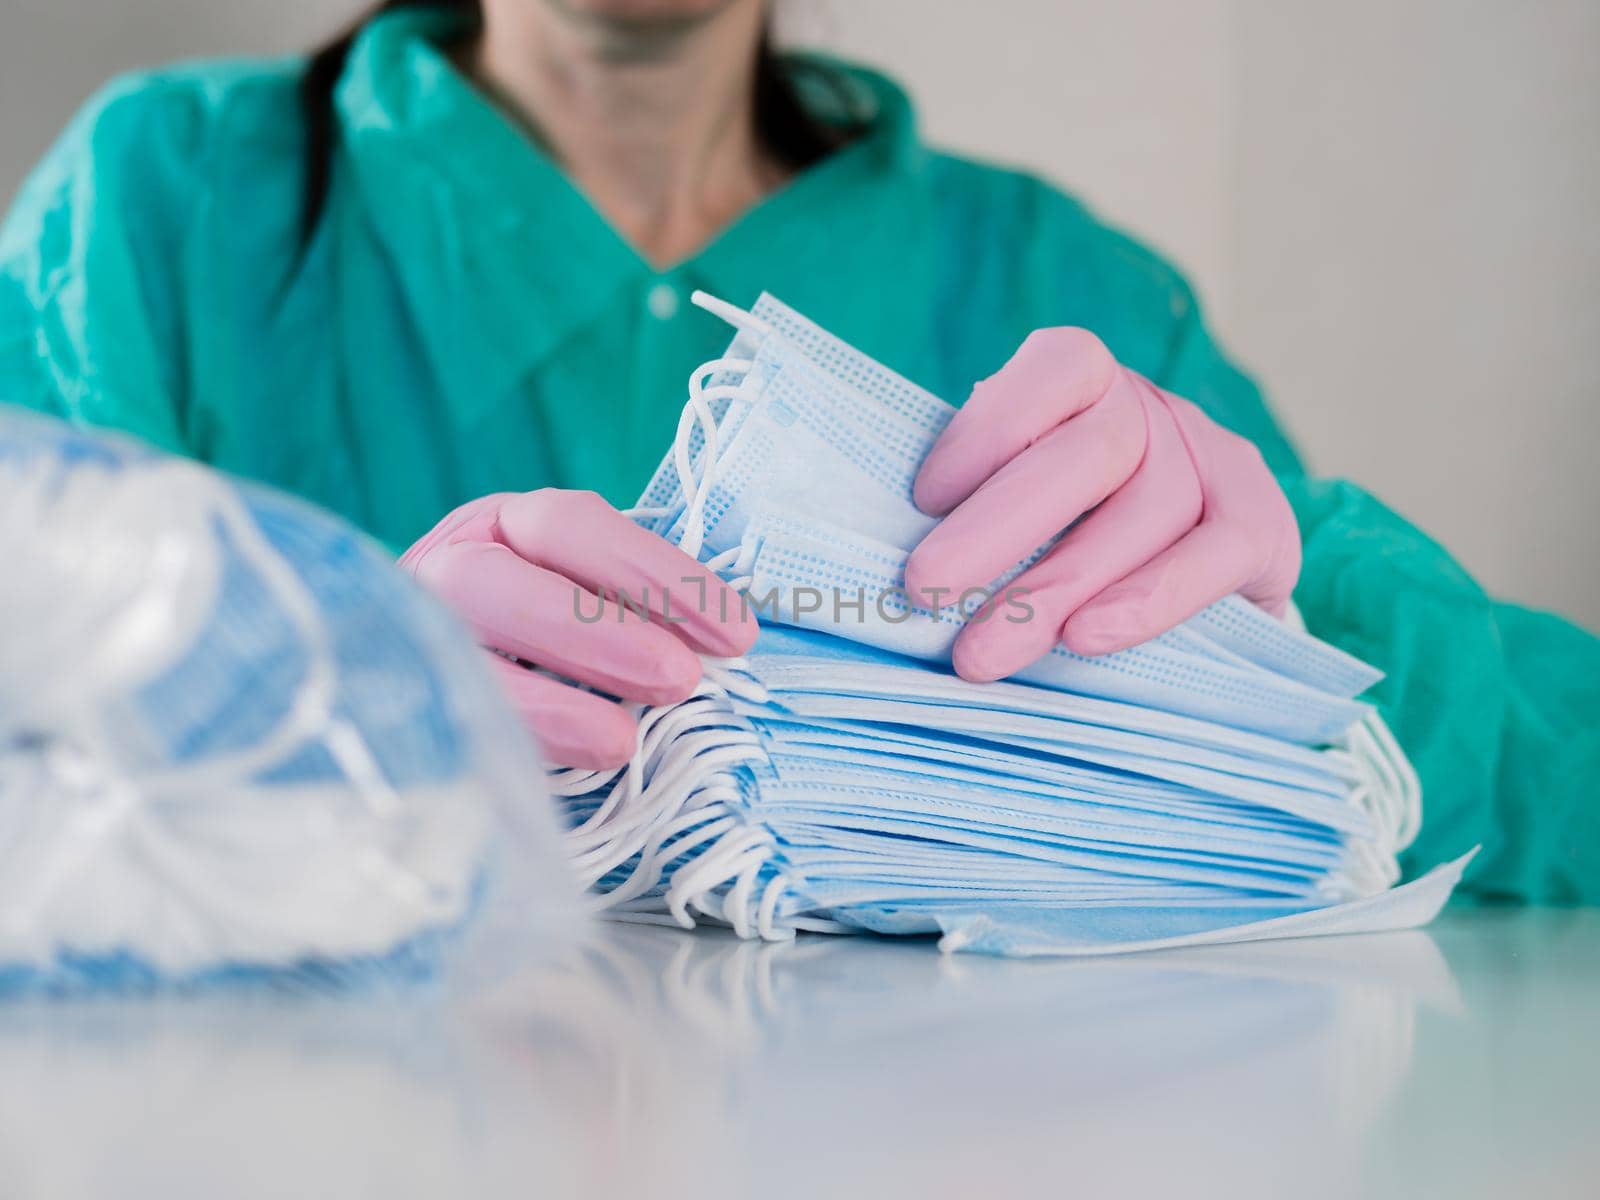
(464, 322)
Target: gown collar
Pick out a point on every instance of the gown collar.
(503, 259)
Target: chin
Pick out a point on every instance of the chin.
(644, 11)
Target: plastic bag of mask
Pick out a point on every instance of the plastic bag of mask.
(236, 744)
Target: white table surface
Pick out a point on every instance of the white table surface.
(1462, 1061)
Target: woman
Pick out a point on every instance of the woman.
(440, 270)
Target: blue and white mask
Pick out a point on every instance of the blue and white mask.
(842, 777)
(806, 494)
(233, 738)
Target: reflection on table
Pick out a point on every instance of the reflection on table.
(652, 1061)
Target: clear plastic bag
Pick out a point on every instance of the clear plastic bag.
(235, 741)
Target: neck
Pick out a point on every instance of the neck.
(653, 121)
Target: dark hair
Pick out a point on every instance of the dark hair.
(792, 133)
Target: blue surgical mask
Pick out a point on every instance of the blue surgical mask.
(841, 777)
(1058, 771)
(805, 496)
(806, 573)
(1029, 930)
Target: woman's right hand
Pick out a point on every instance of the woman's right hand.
(539, 574)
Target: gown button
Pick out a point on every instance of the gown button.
(662, 302)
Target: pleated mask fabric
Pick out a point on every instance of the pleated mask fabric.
(1207, 785)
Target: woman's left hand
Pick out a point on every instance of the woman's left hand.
(1180, 511)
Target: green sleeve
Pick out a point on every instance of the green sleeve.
(1497, 706)
(91, 259)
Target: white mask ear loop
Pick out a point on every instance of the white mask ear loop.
(678, 788)
(731, 313)
(697, 410)
(655, 799)
(708, 822)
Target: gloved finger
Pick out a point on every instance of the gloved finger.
(1150, 512)
(1054, 375)
(1243, 494)
(540, 617)
(1211, 561)
(1033, 497)
(470, 522)
(575, 728)
(1271, 596)
(580, 536)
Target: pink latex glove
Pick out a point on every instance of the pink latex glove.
(1187, 511)
(521, 568)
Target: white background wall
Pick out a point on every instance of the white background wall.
(1391, 208)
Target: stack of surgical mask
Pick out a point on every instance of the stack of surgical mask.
(236, 742)
(1222, 782)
